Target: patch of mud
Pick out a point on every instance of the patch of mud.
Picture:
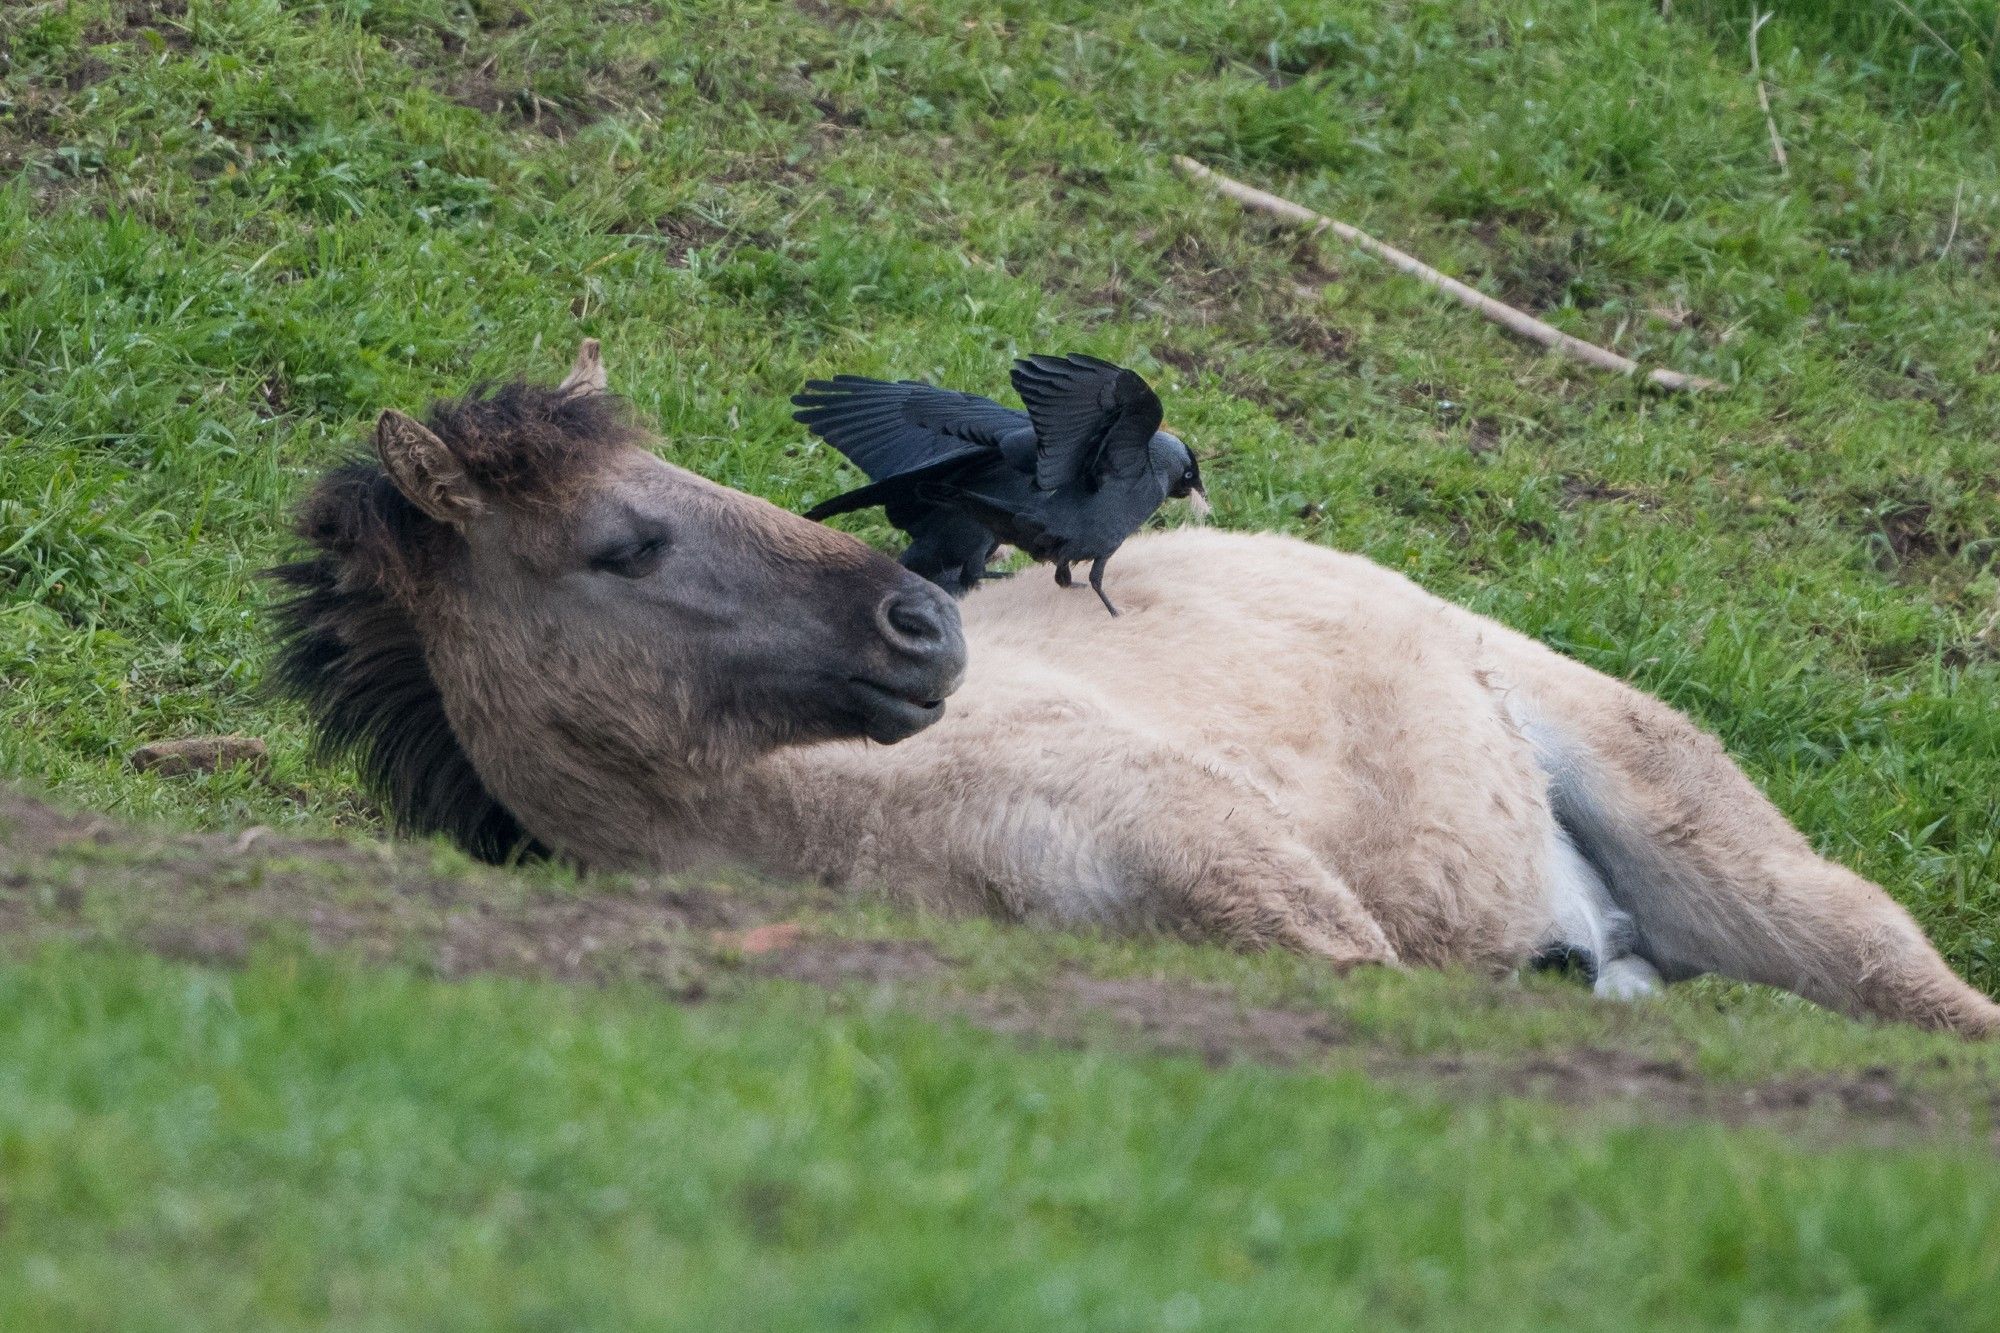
(1906, 533)
(1588, 490)
(156, 23)
(1204, 1021)
(518, 104)
(1916, 529)
(1212, 1025)
(149, 27)
(1315, 337)
(1904, 527)
(1876, 1106)
(1868, 1103)
(212, 898)
(1197, 282)
(522, 82)
(681, 235)
(35, 115)
(1533, 264)
(821, 961)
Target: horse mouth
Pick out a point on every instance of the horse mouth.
(890, 713)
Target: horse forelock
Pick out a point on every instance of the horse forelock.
(523, 443)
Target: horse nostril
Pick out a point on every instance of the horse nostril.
(916, 622)
(910, 621)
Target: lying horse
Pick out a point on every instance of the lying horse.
(533, 633)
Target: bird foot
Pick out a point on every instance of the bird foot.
(1097, 585)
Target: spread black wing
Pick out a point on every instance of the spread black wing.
(888, 429)
(1092, 419)
(905, 490)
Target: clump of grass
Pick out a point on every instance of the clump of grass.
(1912, 52)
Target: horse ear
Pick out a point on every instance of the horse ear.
(424, 469)
(587, 374)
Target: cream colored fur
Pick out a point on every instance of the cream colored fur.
(1274, 745)
(1280, 745)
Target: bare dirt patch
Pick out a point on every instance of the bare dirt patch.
(1589, 490)
(522, 82)
(1195, 272)
(1531, 262)
(845, 15)
(1877, 1104)
(214, 898)
(518, 104)
(156, 23)
(832, 962)
(1315, 337)
(1210, 1024)
(680, 234)
(1483, 436)
(1911, 526)
(35, 108)
(1203, 1021)
(199, 754)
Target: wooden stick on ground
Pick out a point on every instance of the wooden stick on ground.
(1757, 22)
(1515, 321)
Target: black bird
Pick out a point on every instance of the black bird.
(1067, 480)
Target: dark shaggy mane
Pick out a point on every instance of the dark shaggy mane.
(347, 647)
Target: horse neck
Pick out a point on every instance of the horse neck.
(797, 813)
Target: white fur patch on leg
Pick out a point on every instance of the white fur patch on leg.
(1628, 978)
(1583, 916)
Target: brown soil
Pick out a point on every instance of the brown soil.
(1483, 435)
(681, 234)
(1207, 1022)
(212, 898)
(1203, 1021)
(136, 18)
(517, 104)
(1588, 490)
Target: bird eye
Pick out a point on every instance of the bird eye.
(631, 560)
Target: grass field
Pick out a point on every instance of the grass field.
(236, 231)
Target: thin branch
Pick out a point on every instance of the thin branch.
(1499, 312)
(1757, 22)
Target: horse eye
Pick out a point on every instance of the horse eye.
(633, 560)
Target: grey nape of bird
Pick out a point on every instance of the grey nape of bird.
(1067, 480)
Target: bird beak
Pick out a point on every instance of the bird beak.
(1199, 506)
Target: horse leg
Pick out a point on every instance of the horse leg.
(1256, 896)
(1214, 860)
(1120, 832)
(1712, 875)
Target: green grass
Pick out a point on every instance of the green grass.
(285, 1146)
(236, 231)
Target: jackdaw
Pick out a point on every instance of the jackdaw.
(1067, 480)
